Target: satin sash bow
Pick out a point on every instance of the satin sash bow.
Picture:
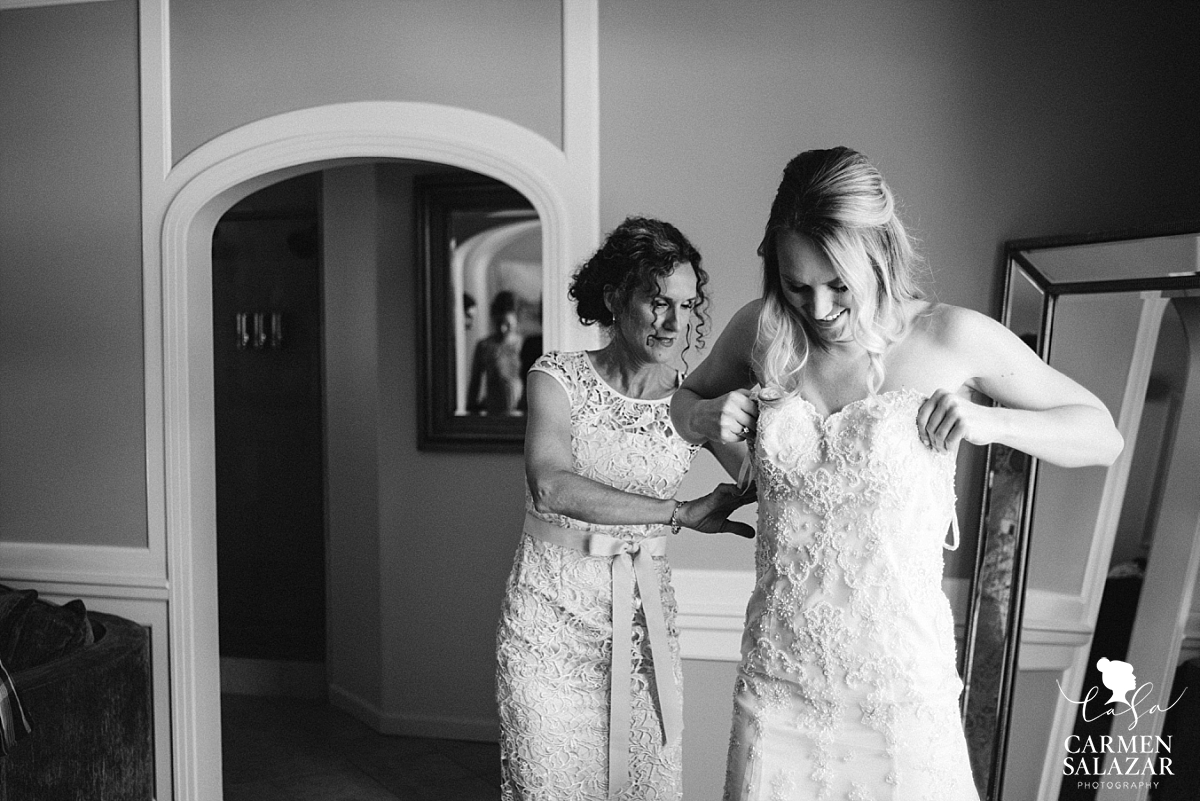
(632, 562)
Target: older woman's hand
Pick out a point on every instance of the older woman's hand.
(710, 513)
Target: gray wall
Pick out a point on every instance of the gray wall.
(419, 543)
(991, 121)
(352, 411)
(234, 62)
(449, 522)
(72, 428)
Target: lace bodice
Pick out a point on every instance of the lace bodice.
(854, 511)
(624, 442)
(849, 642)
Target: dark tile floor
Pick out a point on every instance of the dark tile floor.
(286, 749)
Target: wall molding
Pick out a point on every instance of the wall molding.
(101, 566)
(711, 612)
(7, 5)
(1051, 612)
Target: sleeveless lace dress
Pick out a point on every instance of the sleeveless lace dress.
(847, 688)
(554, 642)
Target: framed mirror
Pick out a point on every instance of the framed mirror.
(479, 254)
(1120, 314)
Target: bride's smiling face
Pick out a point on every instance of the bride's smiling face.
(812, 287)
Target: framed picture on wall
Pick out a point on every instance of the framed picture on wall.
(479, 290)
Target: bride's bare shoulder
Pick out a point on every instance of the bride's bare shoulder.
(941, 349)
(943, 325)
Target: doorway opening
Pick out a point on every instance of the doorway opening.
(314, 412)
(202, 187)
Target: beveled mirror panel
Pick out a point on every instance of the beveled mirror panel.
(1051, 539)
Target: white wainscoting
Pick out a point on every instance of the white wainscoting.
(142, 604)
(9, 4)
(712, 610)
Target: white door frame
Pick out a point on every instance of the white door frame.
(561, 183)
(205, 185)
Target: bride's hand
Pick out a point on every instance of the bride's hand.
(710, 513)
(731, 417)
(946, 418)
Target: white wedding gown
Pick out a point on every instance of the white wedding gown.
(847, 688)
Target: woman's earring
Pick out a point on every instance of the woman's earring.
(608, 300)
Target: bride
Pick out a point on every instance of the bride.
(852, 389)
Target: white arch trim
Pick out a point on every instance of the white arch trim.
(202, 187)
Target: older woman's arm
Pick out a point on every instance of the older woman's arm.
(556, 488)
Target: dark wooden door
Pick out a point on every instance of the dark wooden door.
(267, 375)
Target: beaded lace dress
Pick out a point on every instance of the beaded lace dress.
(847, 689)
(554, 642)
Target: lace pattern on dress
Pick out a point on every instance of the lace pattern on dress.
(554, 642)
(849, 655)
(624, 442)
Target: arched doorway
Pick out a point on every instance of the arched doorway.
(205, 185)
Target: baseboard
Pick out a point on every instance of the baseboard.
(447, 727)
(270, 677)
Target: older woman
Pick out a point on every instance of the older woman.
(847, 687)
(588, 679)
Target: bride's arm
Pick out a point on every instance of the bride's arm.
(557, 489)
(1044, 413)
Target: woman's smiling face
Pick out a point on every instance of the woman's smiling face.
(812, 286)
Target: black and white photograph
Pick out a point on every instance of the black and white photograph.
(599, 400)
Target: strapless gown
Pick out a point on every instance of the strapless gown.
(847, 687)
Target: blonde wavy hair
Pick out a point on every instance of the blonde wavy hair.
(840, 202)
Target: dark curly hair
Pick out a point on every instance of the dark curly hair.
(637, 254)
